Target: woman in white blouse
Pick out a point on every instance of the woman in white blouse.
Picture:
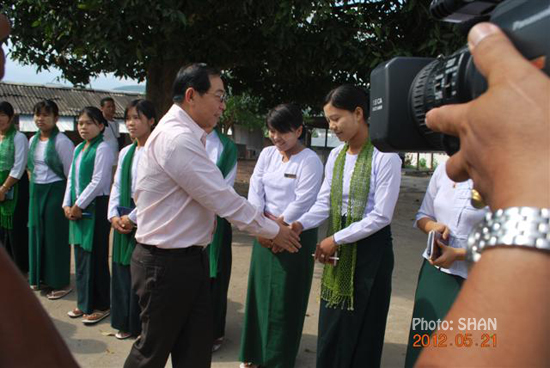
(446, 209)
(14, 189)
(85, 205)
(140, 118)
(284, 185)
(358, 196)
(49, 162)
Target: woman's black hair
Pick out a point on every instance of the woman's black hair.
(285, 118)
(7, 109)
(95, 114)
(349, 97)
(143, 107)
(47, 106)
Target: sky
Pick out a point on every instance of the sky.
(19, 73)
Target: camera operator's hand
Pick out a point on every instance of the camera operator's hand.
(505, 148)
(505, 133)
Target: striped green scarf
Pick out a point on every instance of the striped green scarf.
(337, 282)
(7, 159)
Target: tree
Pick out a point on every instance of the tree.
(244, 110)
(279, 50)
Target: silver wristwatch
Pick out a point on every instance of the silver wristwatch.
(515, 226)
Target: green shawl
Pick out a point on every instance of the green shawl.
(7, 159)
(226, 163)
(52, 157)
(124, 244)
(52, 161)
(337, 281)
(81, 232)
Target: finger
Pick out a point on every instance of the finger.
(447, 118)
(281, 219)
(440, 244)
(296, 242)
(457, 167)
(289, 246)
(487, 44)
(317, 252)
(445, 235)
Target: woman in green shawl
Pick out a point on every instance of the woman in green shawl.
(284, 186)
(358, 197)
(85, 205)
(140, 118)
(50, 156)
(14, 189)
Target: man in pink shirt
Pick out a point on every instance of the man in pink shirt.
(179, 192)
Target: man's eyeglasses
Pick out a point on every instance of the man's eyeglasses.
(222, 97)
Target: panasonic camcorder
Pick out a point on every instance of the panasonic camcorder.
(404, 89)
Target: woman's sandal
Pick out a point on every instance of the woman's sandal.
(75, 313)
(58, 294)
(121, 335)
(95, 317)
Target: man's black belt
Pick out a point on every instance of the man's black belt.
(194, 249)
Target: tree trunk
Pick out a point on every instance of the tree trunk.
(160, 78)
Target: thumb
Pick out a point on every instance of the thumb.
(281, 220)
(488, 44)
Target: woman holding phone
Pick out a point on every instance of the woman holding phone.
(446, 210)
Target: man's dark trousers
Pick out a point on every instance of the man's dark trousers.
(173, 287)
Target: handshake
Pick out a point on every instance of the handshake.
(288, 239)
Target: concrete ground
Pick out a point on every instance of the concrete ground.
(96, 346)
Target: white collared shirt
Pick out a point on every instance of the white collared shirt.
(42, 172)
(448, 203)
(114, 198)
(384, 190)
(179, 189)
(285, 188)
(214, 148)
(110, 135)
(101, 177)
(21, 147)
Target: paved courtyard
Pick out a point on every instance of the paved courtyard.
(96, 346)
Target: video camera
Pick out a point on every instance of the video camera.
(404, 89)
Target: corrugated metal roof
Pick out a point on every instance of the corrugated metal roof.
(70, 100)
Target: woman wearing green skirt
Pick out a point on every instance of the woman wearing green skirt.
(284, 185)
(446, 209)
(85, 205)
(50, 156)
(139, 117)
(358, 197)
(14, 189)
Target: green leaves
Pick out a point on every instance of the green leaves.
(276, 50)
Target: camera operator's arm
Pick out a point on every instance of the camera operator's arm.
(505, 149)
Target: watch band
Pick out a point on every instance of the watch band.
(527, 227)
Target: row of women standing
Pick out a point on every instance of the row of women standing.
(69, 204)
(358, 196)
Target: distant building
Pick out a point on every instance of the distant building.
(70, 101)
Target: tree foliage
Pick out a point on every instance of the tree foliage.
(243, 109)
(279, 50)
